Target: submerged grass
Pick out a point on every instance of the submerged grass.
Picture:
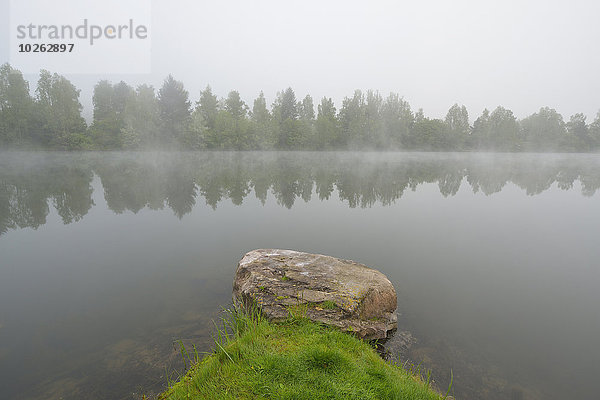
(296, 359)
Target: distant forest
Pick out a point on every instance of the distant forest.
(141, 118)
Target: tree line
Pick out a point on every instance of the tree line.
(125, 117)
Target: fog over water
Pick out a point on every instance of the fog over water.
(108, 258)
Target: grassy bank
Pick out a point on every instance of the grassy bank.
(296, 359)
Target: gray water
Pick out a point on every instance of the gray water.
(107, 259)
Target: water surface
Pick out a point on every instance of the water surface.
(106, 259)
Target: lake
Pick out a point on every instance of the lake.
(107, 260)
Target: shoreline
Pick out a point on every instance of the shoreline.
(294, 359)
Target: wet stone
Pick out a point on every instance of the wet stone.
(328, 290)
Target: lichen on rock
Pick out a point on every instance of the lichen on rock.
(332, 291)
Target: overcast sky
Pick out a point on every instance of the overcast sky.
(519, 54)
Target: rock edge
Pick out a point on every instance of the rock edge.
(329, 290)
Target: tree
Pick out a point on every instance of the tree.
(174, 109)
(457, 122)
(124, 98)
(327, 126)
(544, 130)
(352, 118)
(594, 132)
(288, 105)
(372, 136)
(260, 113)
(114, 108)
(504, 130)
(141, 119)
(229, 133)
(232, 125)
(306, 114)
(397, 119)
(481, 131)
(57, 102)
(285, 113)
(429, 134)
(578, 133)
(203, 121)
(16, 106)
(208, 106)
(307, 109)
(261, 124)
(103, 100)
(496, 131)
(419, 115)
(235, 106)
(105, 129)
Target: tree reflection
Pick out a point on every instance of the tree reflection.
(29, 183)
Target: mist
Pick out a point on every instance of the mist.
(107, 257)
(521, 55)
(452, 146)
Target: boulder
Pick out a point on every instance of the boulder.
(329, 290)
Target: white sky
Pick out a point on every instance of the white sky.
(519, 54)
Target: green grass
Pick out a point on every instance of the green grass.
(328, 304)
(297, 359)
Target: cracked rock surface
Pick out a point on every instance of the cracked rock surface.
(329, 290)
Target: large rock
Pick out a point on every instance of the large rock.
(336, 292)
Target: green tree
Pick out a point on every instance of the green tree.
(481, 131)
(306, 112)
(16, 106)
(504, 130)
(230, 132)
(208, 107)
(578, 137)
(232, 124)
(260, 113)
(429, 134)
(288, 105)
(594, 132)
(235, 106)
(59, 110)
(544, 130)
(307, 109)
(114, 109)
(372, 135)
(174, 108)
(419, 115)
(457, 122)
(328, 133)
(141, 119)
(103, 100)
(397, 118)
(285, 113)
(353, 119)
(124, 98)
(261, 123)
(203, 121)
(496, 131)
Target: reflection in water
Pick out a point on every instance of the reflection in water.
(133, 181)
(27, 188)
(499, 286)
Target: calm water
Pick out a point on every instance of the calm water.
(106, 259)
